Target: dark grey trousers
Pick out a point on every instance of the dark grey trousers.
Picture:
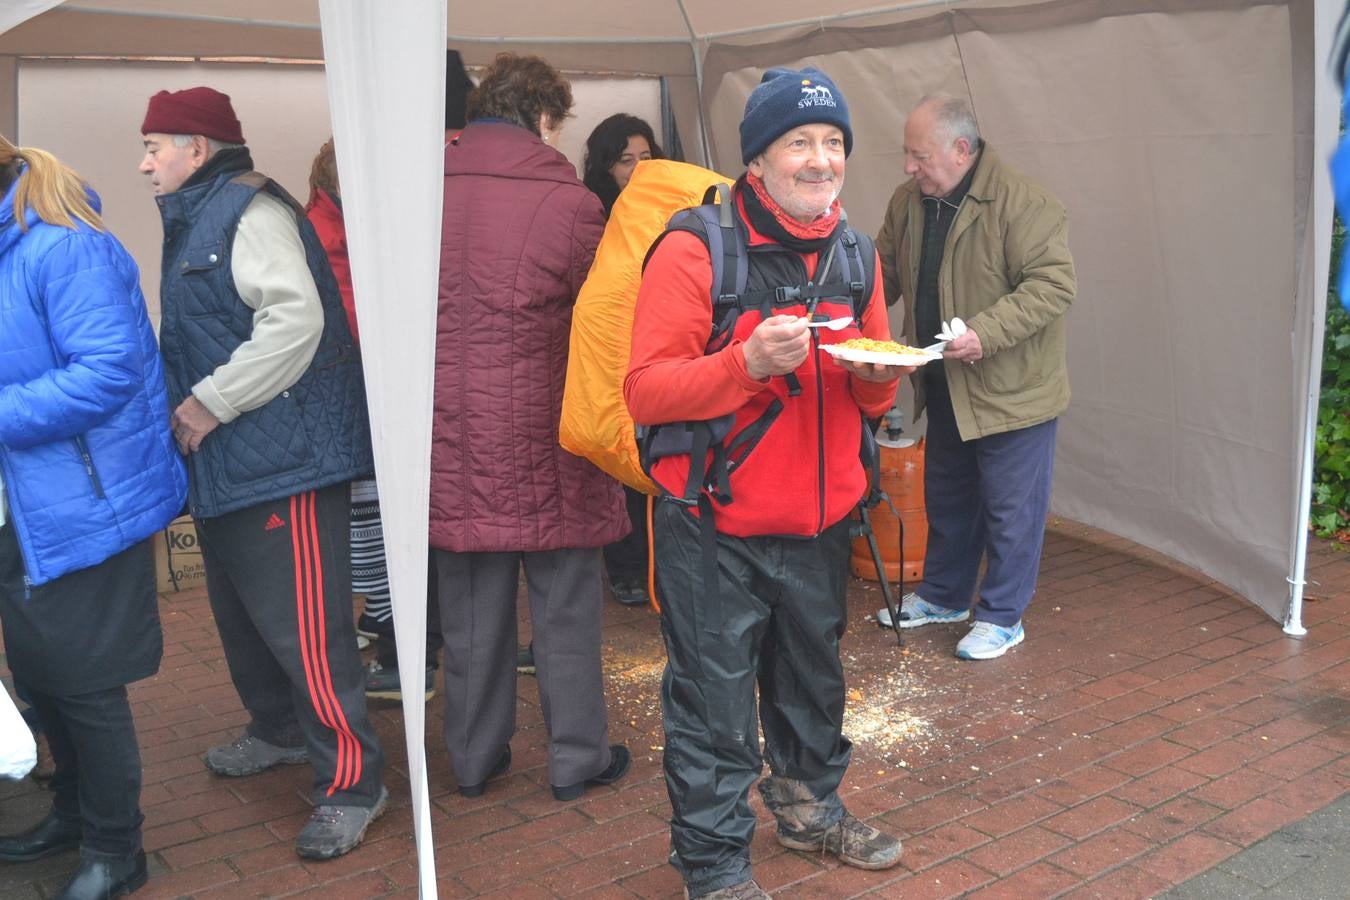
(477, 593)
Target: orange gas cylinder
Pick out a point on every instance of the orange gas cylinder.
(902, 480)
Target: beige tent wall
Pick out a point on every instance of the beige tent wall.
(1181, 205)
(283, 108)
(1181, 435)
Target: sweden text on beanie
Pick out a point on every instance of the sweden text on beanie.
(198, 110)
(787, 98)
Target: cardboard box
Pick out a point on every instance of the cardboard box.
(178, 558)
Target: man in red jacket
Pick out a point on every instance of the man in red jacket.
(759, 596)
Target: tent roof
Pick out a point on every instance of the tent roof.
(290, 28)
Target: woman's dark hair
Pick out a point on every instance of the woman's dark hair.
(520, 89)
(604, 147)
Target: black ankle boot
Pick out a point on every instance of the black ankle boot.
(100, 876)
(51, 835)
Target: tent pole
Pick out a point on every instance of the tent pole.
(698, 86)
(702, 120)
(1325, 122)
(1293, 616)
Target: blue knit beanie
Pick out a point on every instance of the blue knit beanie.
(787, 98)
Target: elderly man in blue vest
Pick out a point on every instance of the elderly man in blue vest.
(269, 409)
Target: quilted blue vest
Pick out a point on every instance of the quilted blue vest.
(314, 433)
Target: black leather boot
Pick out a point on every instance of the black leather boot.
(101, 876)
(51, 835)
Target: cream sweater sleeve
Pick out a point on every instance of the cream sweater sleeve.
(273, 279)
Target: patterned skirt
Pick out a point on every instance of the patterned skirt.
(370, 577)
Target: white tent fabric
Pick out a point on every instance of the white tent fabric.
(386, 65)
(1187, 138)
(17, 11)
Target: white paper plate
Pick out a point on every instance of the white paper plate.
(852, 354)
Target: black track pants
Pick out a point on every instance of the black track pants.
(279, 578)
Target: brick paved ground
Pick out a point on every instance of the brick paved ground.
(1151, 726)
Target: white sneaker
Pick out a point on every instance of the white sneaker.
(987, 641)
(916, 611)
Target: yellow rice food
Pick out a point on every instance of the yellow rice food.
(879, 346)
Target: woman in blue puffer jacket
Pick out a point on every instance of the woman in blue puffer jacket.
(88, 472)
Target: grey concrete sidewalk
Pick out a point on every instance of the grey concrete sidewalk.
(1309, 859)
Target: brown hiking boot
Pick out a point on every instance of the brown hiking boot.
(746, 890)
(855, 843)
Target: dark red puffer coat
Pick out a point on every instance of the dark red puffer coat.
(517, 237)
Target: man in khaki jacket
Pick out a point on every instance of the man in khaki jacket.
(968, 238)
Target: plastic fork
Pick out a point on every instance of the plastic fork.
(832, 324)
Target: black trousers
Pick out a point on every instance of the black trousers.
(98, 767)
(73, 644)
(279, 579)
(775, 622)
(626, 558)
(386, 651)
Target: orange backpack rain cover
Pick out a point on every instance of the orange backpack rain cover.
(595, 420)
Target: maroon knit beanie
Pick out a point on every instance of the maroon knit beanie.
(198, 110)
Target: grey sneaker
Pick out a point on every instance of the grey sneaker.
(249, 755)
(334, 830)
(746, 890)
(855, 843)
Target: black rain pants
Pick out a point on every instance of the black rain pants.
(774, 620)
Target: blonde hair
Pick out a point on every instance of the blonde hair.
(47, 186)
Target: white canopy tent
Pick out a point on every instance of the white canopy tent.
(1187, 138)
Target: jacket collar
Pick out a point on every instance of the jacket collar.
(181, 207)
(986, 171)
(982, 190)
(507, 150)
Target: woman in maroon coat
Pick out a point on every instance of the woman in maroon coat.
(517, 238)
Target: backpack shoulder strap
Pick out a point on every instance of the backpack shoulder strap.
(721, 231)
(858, 268)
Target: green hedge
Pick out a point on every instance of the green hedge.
(1331, 477)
